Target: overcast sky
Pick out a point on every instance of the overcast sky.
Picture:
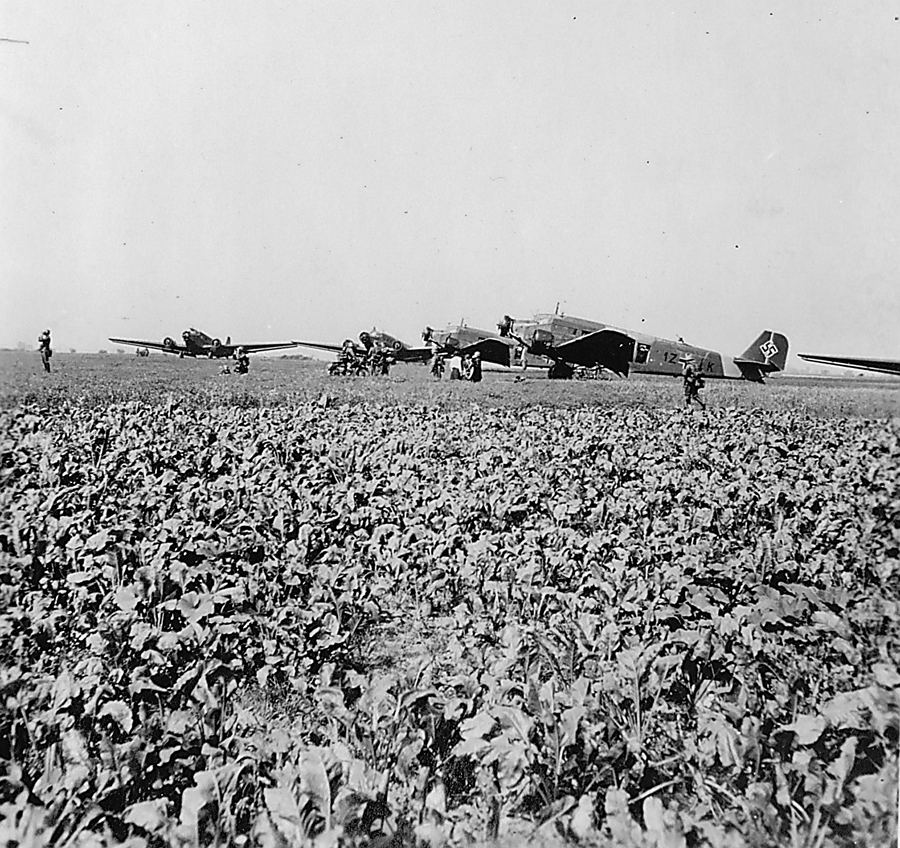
(306, 170)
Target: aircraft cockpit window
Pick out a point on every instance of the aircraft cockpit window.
(642, 351)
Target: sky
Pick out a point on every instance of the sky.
(306, 170)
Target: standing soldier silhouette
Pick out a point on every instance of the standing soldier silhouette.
(475, 375)
(45, 349)
(693, 382)
(437, 356)
(437, 365)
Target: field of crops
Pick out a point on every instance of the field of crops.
(284, 609)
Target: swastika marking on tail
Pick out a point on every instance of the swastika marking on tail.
(769, 349)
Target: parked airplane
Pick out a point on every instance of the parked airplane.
(883, 366)
(400, 351)
(462, 340)
(197, 343)
(569, 342)
(456, 340)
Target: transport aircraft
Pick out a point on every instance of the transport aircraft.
(399, 350)
(568, 342)
(457, 340)
(197, 343)
(884, 366)
(462, 340)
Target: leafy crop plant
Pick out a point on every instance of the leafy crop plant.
(385, 621)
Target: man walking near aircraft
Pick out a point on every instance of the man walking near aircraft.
(475, 368)
(45, 349)
(693, 382)
(437, 357)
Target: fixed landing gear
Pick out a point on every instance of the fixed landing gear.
(560, 371)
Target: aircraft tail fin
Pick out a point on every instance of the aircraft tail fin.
(228, 340)
(767, 354)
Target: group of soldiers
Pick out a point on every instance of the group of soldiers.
(241, 362)
(469, 366)
(469, 363)
(353, 362)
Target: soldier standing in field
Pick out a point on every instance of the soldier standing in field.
(437, 356)
(45, 349)
(437, 364)
(692, 381)
(475, 367)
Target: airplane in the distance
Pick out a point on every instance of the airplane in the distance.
(399, 350)
(569, 342)
(197, 343)
(462, 340)
(882, 366)
(455, 340)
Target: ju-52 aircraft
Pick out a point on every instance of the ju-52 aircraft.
(568, 342)
(458, 340)
(197, 343)
(398, 350)
(462, 340)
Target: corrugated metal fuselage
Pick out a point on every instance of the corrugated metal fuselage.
(651, 355)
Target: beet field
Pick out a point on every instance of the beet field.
(283, 609)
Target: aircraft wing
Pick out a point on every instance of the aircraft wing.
(884, 366)
(401, 354)
(497, 351)
(257, 348)
(331, 348)
(173, 348)
(609, 348)
(411, 354)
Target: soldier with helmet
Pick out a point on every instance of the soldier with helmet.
(438, 362)
(347, 362)
(45, 349)
(475, 367)
(692, 381)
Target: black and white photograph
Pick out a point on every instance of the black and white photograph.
(461, 425)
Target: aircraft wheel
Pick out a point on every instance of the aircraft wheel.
(560, 371)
